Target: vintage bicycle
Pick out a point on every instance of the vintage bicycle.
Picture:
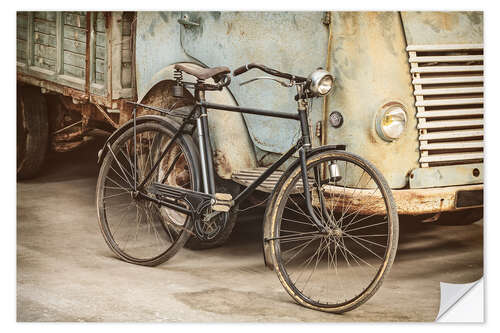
(331, 223)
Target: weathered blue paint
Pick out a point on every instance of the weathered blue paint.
(443, 27)
(368, 58)
(294, 42)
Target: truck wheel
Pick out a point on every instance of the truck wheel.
(463, 217)
(32, 131)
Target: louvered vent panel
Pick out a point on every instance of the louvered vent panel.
(448, 89)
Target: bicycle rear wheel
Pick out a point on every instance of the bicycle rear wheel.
(137, 230)
(340, 269)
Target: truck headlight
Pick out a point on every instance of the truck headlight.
(391, 122)
(321, 82)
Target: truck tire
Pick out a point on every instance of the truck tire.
(32, 131)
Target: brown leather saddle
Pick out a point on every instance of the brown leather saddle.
(204, 73)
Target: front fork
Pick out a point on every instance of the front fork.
(303, 152)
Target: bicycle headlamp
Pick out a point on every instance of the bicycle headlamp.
(321, 82)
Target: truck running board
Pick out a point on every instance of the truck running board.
(247, 176)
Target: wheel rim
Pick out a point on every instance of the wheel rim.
(341, 268)
(136, 229)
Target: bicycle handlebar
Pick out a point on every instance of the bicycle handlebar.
(245, 68)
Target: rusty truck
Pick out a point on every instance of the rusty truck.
(409, 90)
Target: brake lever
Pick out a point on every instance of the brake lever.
(283, 83)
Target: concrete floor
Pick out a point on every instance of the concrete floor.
(65, 271)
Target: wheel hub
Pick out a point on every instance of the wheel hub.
(335, 232)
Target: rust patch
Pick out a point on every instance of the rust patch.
(442, 21)
(221, 163)
(408, 201)
(62, 147)
(161, 95)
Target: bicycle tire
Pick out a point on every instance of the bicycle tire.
(275, 215)
(162, 223)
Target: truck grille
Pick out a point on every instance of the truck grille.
(448, 89)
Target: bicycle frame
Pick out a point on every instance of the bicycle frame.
(303, 146)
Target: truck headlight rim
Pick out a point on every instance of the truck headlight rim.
(391, 121)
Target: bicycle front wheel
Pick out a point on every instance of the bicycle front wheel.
(138, 230)
(340, 268)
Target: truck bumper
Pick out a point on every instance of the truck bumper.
(409, 201)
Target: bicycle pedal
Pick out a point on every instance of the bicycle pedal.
(223, 196)
(223, 202)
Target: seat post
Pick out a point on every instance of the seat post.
(207, 166)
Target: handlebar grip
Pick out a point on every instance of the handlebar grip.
(271, 71)
(241, 70)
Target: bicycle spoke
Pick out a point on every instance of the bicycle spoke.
(139, 230)
(338, 266)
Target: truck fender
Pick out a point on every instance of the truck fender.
(266, 225)
(231, 144)
(168, 123)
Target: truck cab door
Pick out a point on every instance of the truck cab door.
(290, 42)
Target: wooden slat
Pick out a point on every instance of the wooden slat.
(75, 33)
(44, 63)
(450, 79)
(44, 39)
(449, 91)
(452, 58)
(100, 22)
(75, 19)
(126, 56)
(21, 44)
(254, 172)
(452, 123)
(247, 176)
(127, 22)
(457, 101)
(74, 71)
(100, 52)
(21, 49)
(100, 39)
(450, 113)
(22, 20)
(452, 157)
(126, 75)
(45, 51)
(45, 27)
(446, 69)
(48, 16)
(445, 47)
(100, 66)
(452, 145)
(457, 134)
(74, 46)
(74, 59)
(22, 33)
(99, 77)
